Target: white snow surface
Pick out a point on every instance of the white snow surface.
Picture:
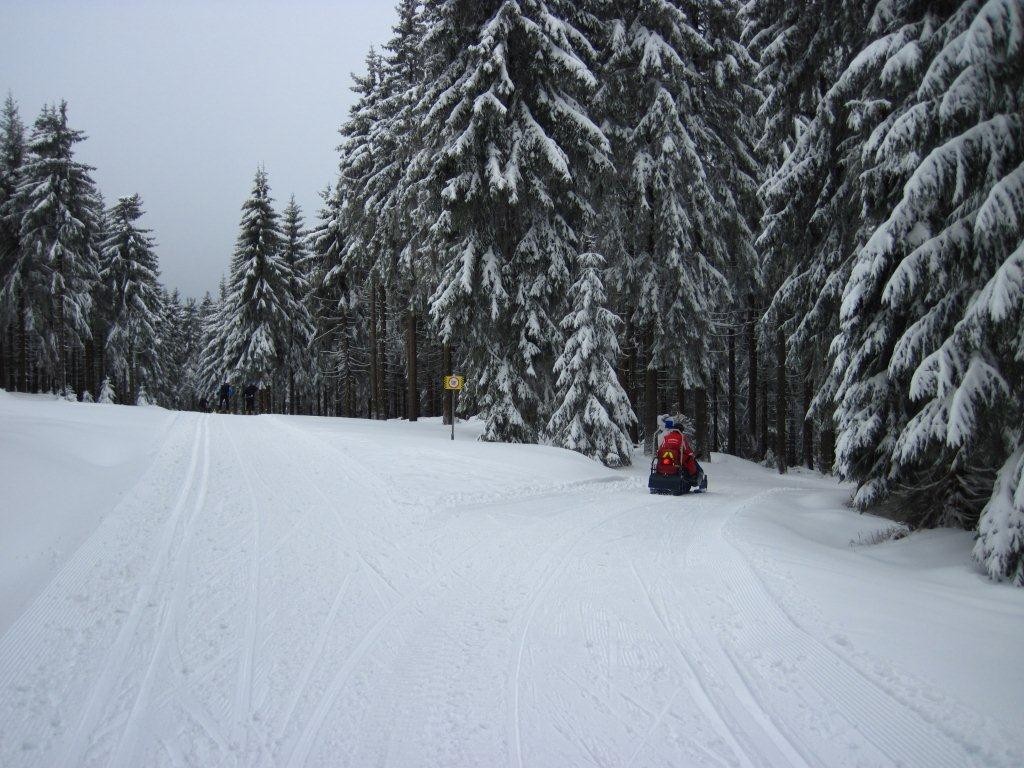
(184, 589)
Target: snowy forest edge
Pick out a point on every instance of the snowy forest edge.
(801, 225)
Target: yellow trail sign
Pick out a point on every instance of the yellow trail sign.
(454, 383)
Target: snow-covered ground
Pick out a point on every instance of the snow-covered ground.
(217, 590)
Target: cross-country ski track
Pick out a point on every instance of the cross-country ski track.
(290, 591)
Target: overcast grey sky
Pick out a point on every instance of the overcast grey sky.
(182, 99)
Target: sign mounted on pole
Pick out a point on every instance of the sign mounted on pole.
(454, 383)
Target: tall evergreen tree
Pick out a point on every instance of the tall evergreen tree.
(130, 274)
(402, 84)
(676, 110)
(259, 304)
(509, 147)
(56, 264)
(12, 326)
(210, 368)
(593, 414)
(295, 255)
(813, 127)
(337, 307)
(930, 342)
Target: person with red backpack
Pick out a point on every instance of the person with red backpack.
(675, 469)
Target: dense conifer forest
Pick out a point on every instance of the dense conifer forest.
(799, 224)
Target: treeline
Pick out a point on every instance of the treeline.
(82, 313)
(799, 224)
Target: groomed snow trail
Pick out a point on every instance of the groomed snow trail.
(308, 592)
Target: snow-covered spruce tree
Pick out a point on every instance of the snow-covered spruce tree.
(197, 314)
(929, 373)
(211, 368)
(130, 274)
(509, 148)
(394, 138)
(12, 154)
(593, 414)
(295, 254)
(677, 111)
(337, 310)
(107, 396)
(355, 246)
(259, 306)
(812, 127)
(143, 399)
(178, 331)
(57, 263)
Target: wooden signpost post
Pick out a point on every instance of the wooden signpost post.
(454, 385)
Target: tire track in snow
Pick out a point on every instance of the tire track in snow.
(103, 688)
(379, 490)
(282, 459)
(373, 492)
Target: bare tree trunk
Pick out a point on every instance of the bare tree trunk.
(730, 443)
(22, 347)
(412, 400)
(650, 400)
(808, 423)
(431, 383)
(700, 417)
(62, 347)
(752, 368)
(346, 355)
(446, 370)
(627, 368)
(90, 366)
(714, 414)
(828, 447)
(4, 353)
(681, 396)
(762, 448)
(374, 373)
(382, 363)
(11, 383)
(780, 401)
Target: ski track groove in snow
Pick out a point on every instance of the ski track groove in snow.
(290, 604)
(100, 695)
(551, 569)
(170, 618)
(697, 690)
(14, 644)
(243, 690)
(757, 716)
(302, 685)
(305, 743)
(899, 731)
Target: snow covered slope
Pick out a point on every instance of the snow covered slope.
(63, 467)
(278, 591)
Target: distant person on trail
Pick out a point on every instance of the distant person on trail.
(250, 399)
(204, 407)
(224, 403)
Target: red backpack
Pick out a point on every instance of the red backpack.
(675, 453)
